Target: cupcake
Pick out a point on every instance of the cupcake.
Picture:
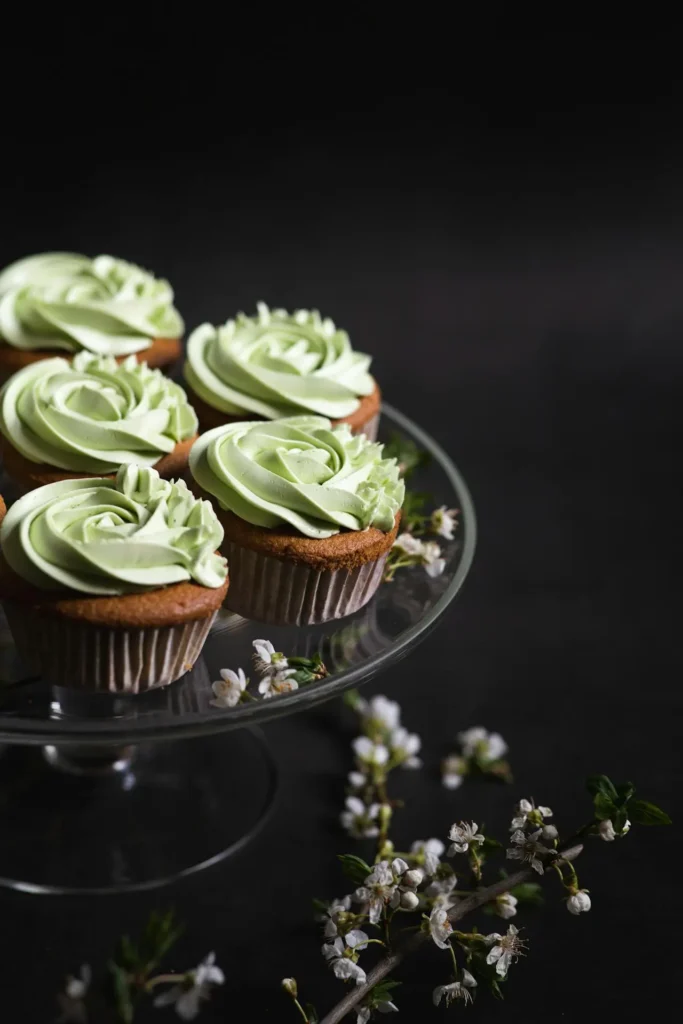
(278, 364)
(66, 302)
(310, 513)
(111, 585)
(65, 421)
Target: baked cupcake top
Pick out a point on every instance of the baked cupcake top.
(62, 300)
(299, 471)
(93, 414)
(113, 537)
(277, 364)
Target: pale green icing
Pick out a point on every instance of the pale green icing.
(277, 364)
(93, 415)
(99, 536)
(299, 471)
(61, 300)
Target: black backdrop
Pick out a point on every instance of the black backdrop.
(510, 250)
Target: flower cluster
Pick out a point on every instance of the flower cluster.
(278, 674)
(410, 550)
(481, 753)
(383, 746)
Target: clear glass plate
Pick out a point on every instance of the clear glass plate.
(354, 649)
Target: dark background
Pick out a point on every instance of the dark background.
(510, 249)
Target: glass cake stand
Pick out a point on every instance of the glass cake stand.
(92, 797)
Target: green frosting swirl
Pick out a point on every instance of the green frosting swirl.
(65, 301)
(93, 415)
(299, 471)
(96, 536)
(277, 364)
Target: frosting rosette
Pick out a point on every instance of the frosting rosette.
(301, 472)
(93, 414)
(66, 301)
(114, 537)
(277, 364)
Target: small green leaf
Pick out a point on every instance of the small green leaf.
(604, 807)
(406, 453)
(123, 997)
(642, 812)
(311, 1013)
(625, 791)
(320, 906)
(496, 990)
(529, 893)
(602, 784)
(490, 845)
(352, 698)
(381, 993)
(354, 867)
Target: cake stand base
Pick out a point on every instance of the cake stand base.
(110, 820)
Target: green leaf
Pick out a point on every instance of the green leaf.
(642, 812)
(604, 807)
(319, 905)
(490, 845)
(625, 791)
(529, 893)
(311, 1013)
(496, 990)
(128, 954)
(352, 698)
(602, 784)
(354, 867)
(382, 992)
(123, 997)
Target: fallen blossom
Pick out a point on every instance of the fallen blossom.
(431, 559)
(274, 685)
(443, 522)
(229, 688)
(268, 661)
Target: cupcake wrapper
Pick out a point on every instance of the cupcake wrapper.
(370, 428)
(82, 656)
(291, 594)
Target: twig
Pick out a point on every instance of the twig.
(463, 907)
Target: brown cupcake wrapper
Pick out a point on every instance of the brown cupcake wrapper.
(370, 429)
(278, 592)
(79, 655)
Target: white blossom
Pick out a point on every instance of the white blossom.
(443, 884)
(410, 545)
(506, 905)
(357, 780)
(229, 688)
(428, 852)
(487, 746)
(364, 1013)
(280, 682)
(456, 990)
(431, 558)
(463, 836)
(380, 710)
(267, 660)
(579, 902)
(77, 987)
(340, 953)
(440, 927)
(549, 832)
(359, 819)
(370, 753)
(404, 747)
(453, 771)
(527, 849)
(505, 949)
(378, 890)
(188, 996)
(332, 915)
(526, 811)
(607, 831)
(444, 522)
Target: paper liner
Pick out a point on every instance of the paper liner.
(83, 656)
(369, 428)
(292, 594)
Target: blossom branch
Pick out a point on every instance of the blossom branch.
(460, 910)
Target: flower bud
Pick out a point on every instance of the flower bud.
(606, 830)
(550, 832)
(290, 985)
(409, 901)
(399, 866)
(413, 878)
(579, 902)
